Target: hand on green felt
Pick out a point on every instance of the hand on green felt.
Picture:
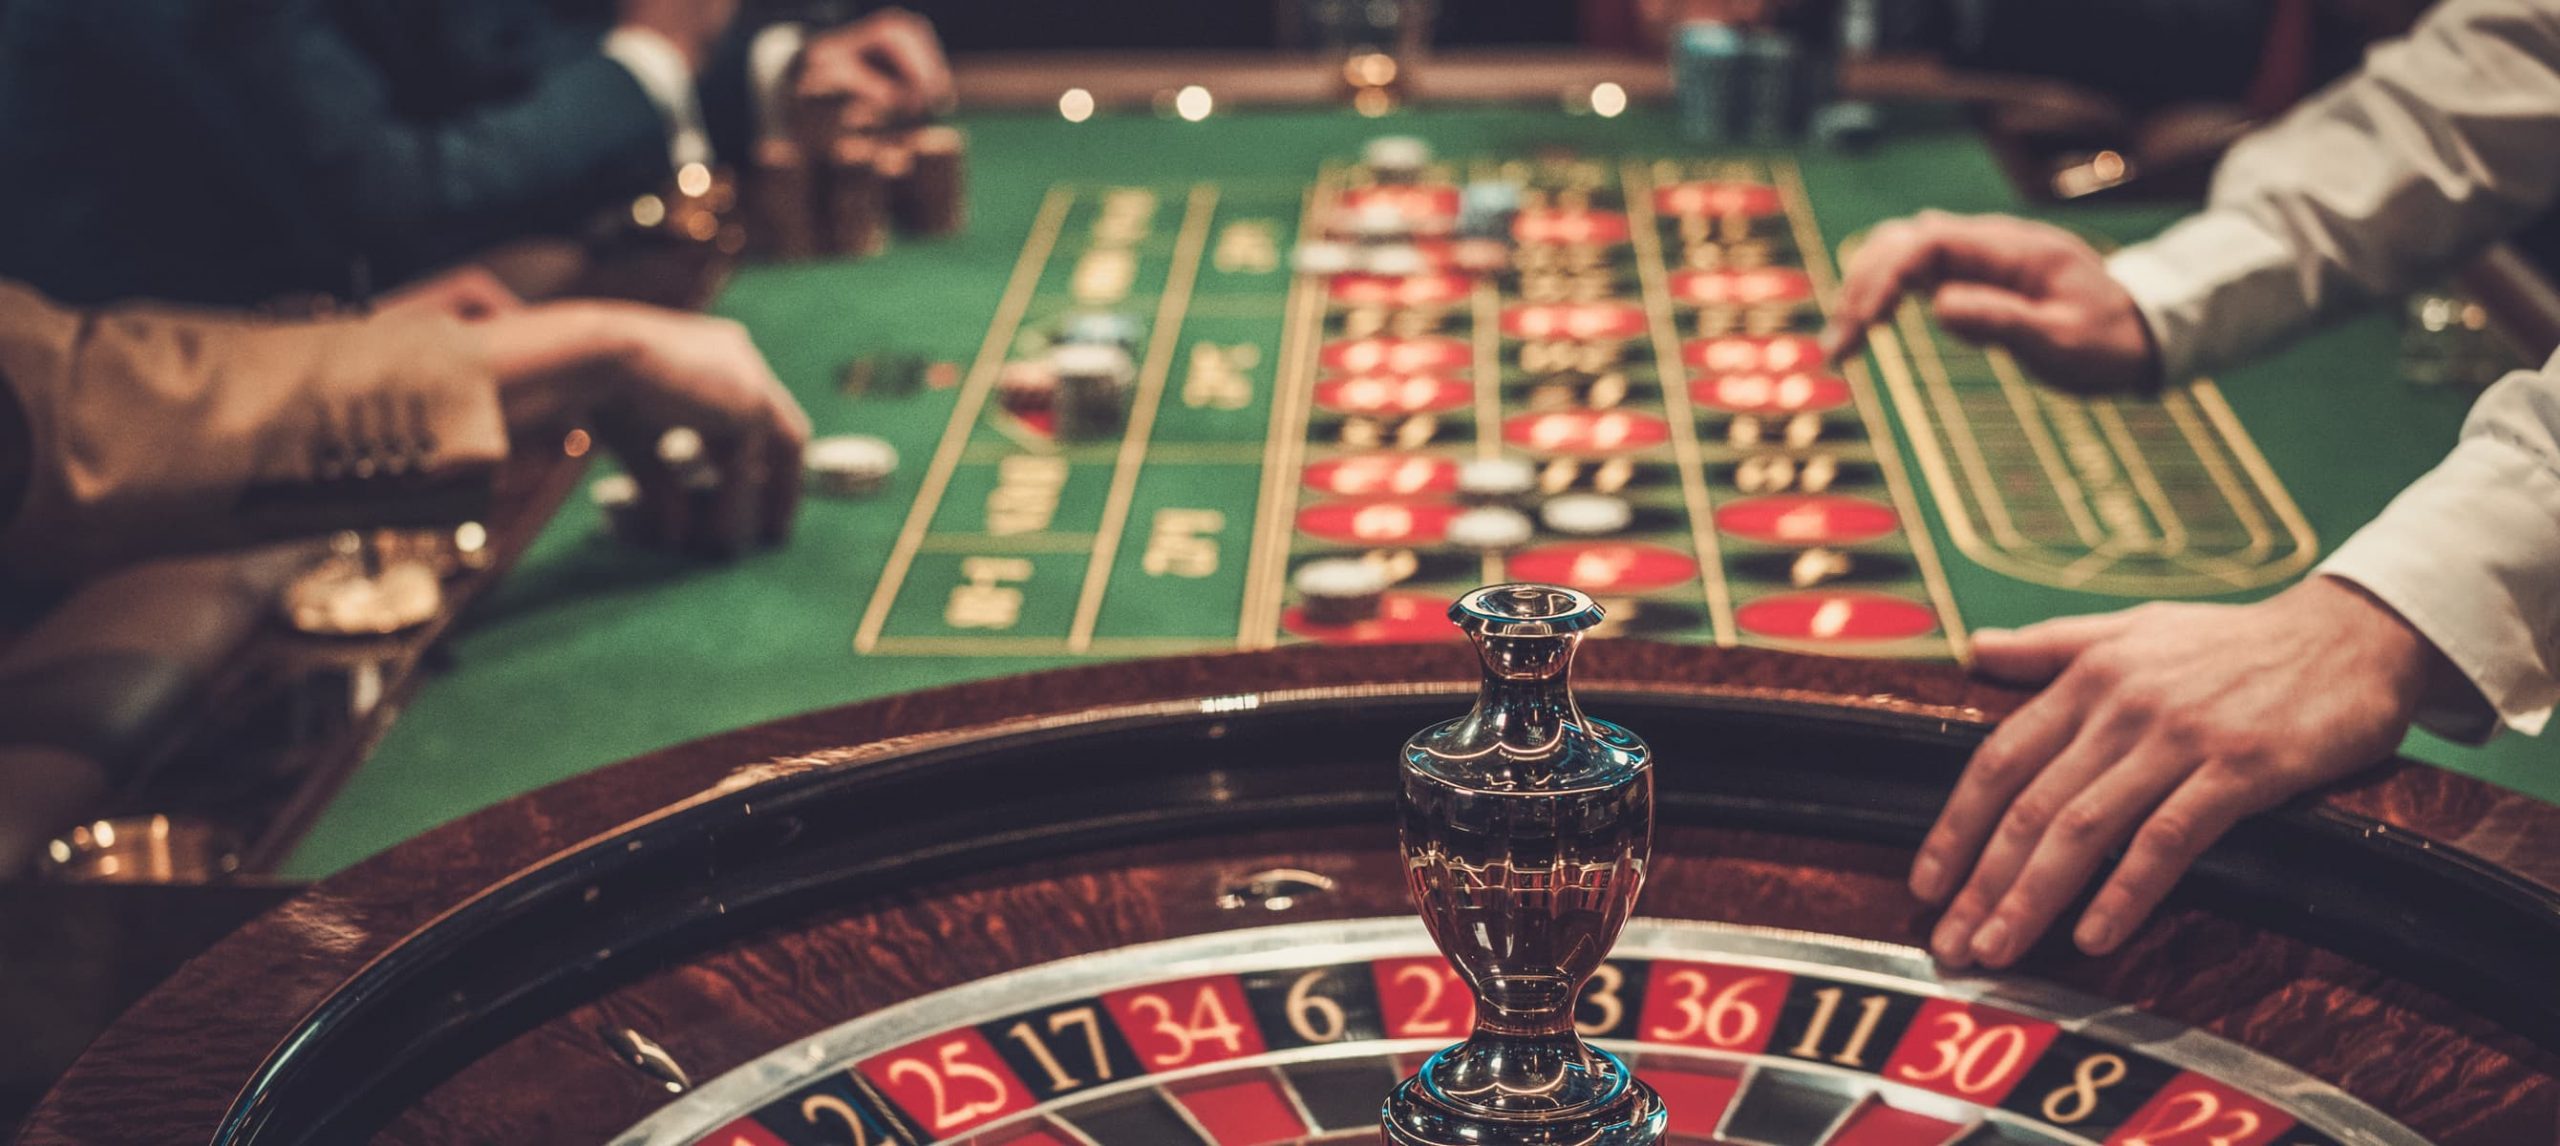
(2032, 288)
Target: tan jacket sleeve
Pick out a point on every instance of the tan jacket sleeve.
(154, 429)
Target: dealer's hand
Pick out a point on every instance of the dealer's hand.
(2033, 288)
(2161, 725)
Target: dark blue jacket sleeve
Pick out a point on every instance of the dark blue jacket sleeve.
(316, 123)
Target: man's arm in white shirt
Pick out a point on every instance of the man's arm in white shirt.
(2442, 143)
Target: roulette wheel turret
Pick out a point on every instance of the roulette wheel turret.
(1527, 826)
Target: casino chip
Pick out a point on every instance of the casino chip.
(617, 497)
(1489, 528)
(1486, 208)
(1396, 158)
(337, 598)
(1480, 256)
(1396, 261)
(1586, 514)
(1378, 222)
(680, 446)
(1093, 388)
(1487, 481)
(850, 465)
(1323, 258)
(1100, 328)
(1339, 590)
(1027, 387)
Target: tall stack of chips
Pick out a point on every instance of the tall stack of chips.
(1757, 86)
(781, 192)
(1094, 381)
(857, 197)
(1706, 79)
(933, 198)
(1772, 99)
(1486, 208)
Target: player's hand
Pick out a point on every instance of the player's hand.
(884, 68)
(2033, 288)
(635, 372)
(693, 26)
(469, 292)
(2161, 725)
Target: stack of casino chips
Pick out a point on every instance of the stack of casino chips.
(1751, 86)
(1094, 381)
(812, 194)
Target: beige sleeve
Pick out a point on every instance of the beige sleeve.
(154, 429)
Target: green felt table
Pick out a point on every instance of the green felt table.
(593, 651)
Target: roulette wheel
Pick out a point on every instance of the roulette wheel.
(1164, 902)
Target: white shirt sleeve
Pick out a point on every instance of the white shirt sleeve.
(2470, 555)
(2443, 142)
(667, 79)
(770, 55)
(2440, 144)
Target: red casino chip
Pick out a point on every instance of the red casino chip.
(1554, 226)
(1383, 475)
(1836, 615)
(1807, 520)
(1377, 521)
(1586, 431)
(1427, 208)
(1581, 321)
(1393, 394)
(1403, 619)
(1396, 355)
(1400, 290)
(1768, 354)
(1769, 393)
(1603, 567)
(1715, 197)
(1755, 287)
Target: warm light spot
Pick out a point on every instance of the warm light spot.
(693, 179)
(1373, 102)
(576, 444)
(701, 226)
(1609, 100)
(1076, 105)
(2107, 166)
(1369, 70)
(470, 537)
(1192, 103)
(648, 210)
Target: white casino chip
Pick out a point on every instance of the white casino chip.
(1397, 261)
(1490, 527)
(1398, 154)
(1339, 578)
(1323, 259)
(1496, 477)
(1586, 514)
(1090, 360)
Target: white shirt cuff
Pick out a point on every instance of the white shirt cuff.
(664, 76)
(769, 58)
(2465, 555)
(2214, 288)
